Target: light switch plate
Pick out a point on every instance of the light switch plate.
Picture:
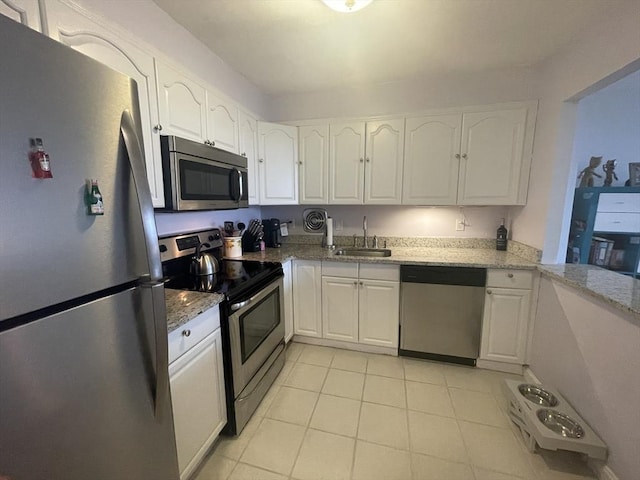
(459, 225)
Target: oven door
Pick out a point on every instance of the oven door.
(256, 327)
(205, 184)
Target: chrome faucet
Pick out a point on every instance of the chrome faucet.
(364, 228)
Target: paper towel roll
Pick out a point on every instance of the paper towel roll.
(329, 231)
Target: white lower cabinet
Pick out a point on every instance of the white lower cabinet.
(506, 316)
(379, 305)
(359, 302)
(288, 300)
(197, 388)
(340, 308)
(307, 298)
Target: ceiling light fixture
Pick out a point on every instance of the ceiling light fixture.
(346, 6)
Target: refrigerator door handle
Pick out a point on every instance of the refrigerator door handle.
(154, 280)
(136, 161)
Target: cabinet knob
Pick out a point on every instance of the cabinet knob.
(355, 283)
(464, 155)
(457, 156)
(368, 160)
(361, 283)
(299, 163)
(261, 160)
(361, 160)
(157, 128)
(186, 333)
(488, 292)
(244, 154)
(510, 275)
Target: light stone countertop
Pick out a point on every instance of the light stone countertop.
(184, 305)
(453, 257)
(619, 291)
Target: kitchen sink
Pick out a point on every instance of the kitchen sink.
(364, 252)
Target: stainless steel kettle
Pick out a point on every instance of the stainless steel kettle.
(204, 263)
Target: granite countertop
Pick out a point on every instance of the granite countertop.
(619, 291)
(183, 306)
(454, 257)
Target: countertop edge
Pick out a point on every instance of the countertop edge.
(183, 306)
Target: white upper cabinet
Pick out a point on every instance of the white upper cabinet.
(222, 122)
(26, 12)
(248, 141)
(82, 34)
(314, 164)
(492, 152)
(383, 162)
(431, 160)
(182, 104)
(346, 163)
(278, 163)
(365, 162)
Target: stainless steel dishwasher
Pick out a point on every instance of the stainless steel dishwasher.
(441, 312)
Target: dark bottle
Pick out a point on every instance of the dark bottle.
(501, 237)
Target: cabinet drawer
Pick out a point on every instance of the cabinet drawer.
(617, 222)
(619, 202)
(374, 271)
(339, 269)
(509, 278)
(198, 328)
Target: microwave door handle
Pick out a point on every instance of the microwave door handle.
(235, 190)
(240, 184)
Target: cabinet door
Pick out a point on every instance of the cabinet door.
(181, 104)
(383, 162)
(379, 303)
(198, 399)
(431, 160)
(492, 157)
(307, 298)
(288, 300)
(277, 163)
(346, 163)
(504, 325)
(340, 308)
(26, 12)
(248, 132)
(82, 34)
(314, 164)
(222, 122)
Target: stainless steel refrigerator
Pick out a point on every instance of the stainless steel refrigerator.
(84, 390)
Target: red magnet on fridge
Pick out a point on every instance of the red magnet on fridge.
(40, 164)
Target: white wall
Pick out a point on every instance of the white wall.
(400, 221)
(145, 21)
(608, 125)
(406, 96)
(589, 352)
(180, 222)
(595, 58)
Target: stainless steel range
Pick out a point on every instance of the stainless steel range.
(252, 318)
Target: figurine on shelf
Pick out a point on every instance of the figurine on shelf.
(610, 174)
(589, 172)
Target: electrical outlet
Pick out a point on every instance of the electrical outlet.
(338, 225)
(460, 225)
(292, 223)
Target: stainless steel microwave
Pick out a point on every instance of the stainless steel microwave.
(197, 176)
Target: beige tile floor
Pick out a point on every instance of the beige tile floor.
(340, 415)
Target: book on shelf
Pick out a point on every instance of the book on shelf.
(601, 249)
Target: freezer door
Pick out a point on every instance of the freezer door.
(78, 395)
(51, 250)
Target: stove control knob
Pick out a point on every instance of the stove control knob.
(214, 237)
(163, 248)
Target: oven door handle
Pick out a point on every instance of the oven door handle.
(239, 305)
(234, 307)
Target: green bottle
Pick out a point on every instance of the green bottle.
(96, 207)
